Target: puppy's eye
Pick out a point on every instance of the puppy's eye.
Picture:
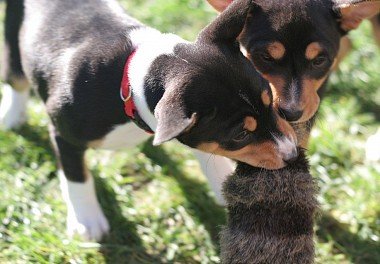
(320, 61)
(265, 57)
(243, 135)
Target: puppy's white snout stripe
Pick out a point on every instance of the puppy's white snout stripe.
(287, 147)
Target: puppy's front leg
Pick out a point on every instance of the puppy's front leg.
(216, 169)
(84, 215)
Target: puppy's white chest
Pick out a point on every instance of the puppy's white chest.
(122, 136)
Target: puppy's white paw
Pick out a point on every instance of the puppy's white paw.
(216, 169)
(13, 107)
(88, 221)
(84, 215)
(372, 147)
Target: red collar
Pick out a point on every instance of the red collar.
(126, 90)
(126, 95)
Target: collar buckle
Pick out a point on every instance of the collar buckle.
(128, 97)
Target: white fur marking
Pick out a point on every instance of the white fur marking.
(84, 215)
(243, 50)
(127, 135)
(216, 169)
(151, 44)
(13, 107)
(286, 146)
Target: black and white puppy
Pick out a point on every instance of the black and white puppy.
(88, 61)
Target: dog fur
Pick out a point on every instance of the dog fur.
(307, 34)
(205, 94)
(270, 215)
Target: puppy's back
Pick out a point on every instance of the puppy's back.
(74, 51)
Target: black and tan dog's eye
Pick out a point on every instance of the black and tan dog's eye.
(243, 135)
(265, 57)
(320, 61)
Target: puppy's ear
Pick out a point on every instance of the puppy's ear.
(353, 12)
(171, 117)
(228, 25)
(219, 5)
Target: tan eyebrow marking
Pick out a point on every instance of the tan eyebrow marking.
(312, 50)
(265, 98)
(250, 123)
(276, 50)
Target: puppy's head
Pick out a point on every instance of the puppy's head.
(215, 101)
(294, 44)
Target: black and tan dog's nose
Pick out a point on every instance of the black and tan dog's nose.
(289, 114)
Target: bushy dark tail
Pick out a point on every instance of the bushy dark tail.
(11, 65)
(270, 215)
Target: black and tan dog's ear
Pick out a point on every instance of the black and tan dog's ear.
(353, 12)
(228, 25)
(171, 117)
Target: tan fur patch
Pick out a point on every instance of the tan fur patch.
(210, 147)
(313, 50)
(265, 98)
(304, 141)
(285, 128)
(353, 14)
(376, 29)
(309, 98)
(250, 123)
(303, 132)
(276, 50)
(277, 85)
(334, 65)
(345, 47)
(264, 155)
(219, 5)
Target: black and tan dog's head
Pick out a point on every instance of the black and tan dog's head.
(216, 101)
(294, 44)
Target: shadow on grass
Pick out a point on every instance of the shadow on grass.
(37, 136)
(122, 245)
(360, 251)
(203, 207)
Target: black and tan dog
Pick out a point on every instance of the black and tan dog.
(105, 78)
(295, 45)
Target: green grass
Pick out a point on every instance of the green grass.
(158, 203)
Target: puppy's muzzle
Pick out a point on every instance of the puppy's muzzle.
(287, 147)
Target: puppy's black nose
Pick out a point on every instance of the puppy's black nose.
(292, 157)
(290, 115)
